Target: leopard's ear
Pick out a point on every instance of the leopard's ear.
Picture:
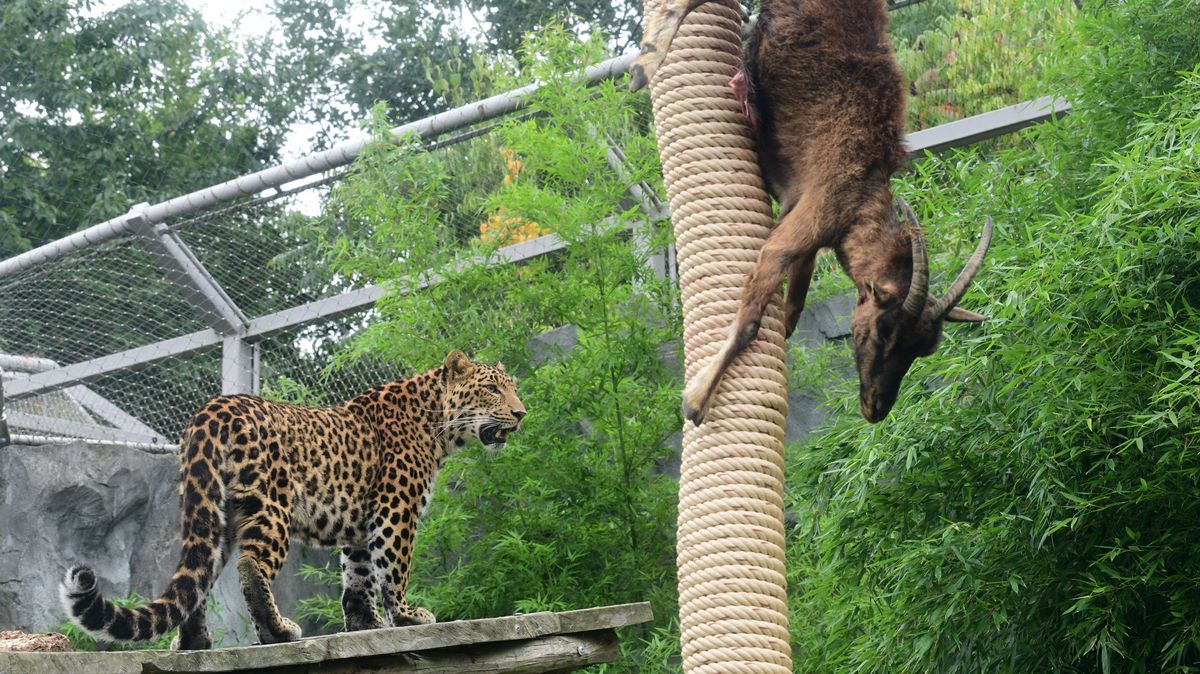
(500, 366)
(458, 363)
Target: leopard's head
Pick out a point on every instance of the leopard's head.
(481, 401)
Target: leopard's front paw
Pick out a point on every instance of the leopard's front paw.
(413, 616)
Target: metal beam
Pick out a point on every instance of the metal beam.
(4, 436)
(83, 396)
(331, 307)
(177, 262)
(26, 363)
(987, 125)
(105, 409)
(962, 132)
(641, 194)
(362, 299)
(32, 440)
(130, 359)
(76, 429)
(304, 167)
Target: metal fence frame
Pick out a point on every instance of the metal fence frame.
(5, 438)
(238, 335)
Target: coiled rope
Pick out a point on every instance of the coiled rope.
(732, 583)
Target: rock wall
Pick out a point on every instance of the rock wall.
(117, 510)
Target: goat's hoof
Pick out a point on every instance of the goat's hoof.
(644, 67)
(695, 407)
(698, 396)
(637, 78)
(789, 323)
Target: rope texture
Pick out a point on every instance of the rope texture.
(732, 582)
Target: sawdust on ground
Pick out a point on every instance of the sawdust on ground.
(14, 641)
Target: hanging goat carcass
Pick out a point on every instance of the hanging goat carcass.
(824, 95)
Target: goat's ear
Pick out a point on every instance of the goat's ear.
(882, 294)
(960, 315)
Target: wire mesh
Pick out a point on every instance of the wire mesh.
(166, 393)
(102, 300)
(257, 256)
(120, 345)
(106, 300)
(298, 365)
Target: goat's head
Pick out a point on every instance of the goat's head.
(890, 332)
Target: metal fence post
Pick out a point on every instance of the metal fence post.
(239, 366)
(5, 439)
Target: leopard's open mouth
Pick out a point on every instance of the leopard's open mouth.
(494, 434)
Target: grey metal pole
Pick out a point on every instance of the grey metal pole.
(5, 439)
(239, 366)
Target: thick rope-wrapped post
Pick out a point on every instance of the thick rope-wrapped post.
(732, 586)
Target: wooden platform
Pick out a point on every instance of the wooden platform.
(537, 642)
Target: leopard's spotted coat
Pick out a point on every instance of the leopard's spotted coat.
(358, 476)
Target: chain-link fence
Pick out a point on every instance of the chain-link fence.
(119, 332)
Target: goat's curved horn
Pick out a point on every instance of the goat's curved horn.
(918, 287)
(959, 288)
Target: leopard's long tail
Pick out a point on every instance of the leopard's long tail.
(203, 521)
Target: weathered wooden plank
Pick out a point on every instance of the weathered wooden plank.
(353, 645)
(73, 663)
(621, 615)
(366, 643)
(555, 653)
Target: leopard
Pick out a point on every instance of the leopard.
(358, 476)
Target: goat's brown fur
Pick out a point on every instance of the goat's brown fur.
(827, 99)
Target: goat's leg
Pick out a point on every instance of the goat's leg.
(799, 276)
(790, 245)
(661, 27)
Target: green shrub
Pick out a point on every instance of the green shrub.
(1031, 504)
(980, 56)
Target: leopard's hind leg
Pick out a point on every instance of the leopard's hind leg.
(193, 632)
(262, 536)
